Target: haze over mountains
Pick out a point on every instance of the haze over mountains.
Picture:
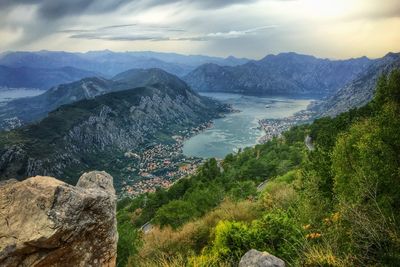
(108, 63)
(40, 78)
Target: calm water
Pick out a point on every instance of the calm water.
(239, 130)
(7, 95)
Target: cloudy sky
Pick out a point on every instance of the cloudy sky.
(243, 28)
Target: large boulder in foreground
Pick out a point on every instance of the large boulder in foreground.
(46, 222)
(255, 258)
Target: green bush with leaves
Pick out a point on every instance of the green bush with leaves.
(275, 232)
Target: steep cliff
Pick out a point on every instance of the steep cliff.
(45, 222)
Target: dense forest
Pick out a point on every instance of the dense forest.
(335, 205)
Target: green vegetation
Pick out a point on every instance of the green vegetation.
(337, 205)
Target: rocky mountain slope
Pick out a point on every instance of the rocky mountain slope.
(283, 74)
(40, 78)
(26, 110)
(110, 63)
(46, 222)
(95, 133)
(359, 91)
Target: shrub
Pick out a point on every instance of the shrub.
(192, 237)
(128, 242)
(175, 213)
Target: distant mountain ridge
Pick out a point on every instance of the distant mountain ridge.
(40, 78)
(110, 63)
(359, 91)
(31, 109)
(283, 74)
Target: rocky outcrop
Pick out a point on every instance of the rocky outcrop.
(255, 258)
(46, 222)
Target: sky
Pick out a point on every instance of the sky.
(242, 28)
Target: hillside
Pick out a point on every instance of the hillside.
(40, 78)
(95, 133)
(284, 74)
(26, 110)
(335, 205)
(359, 91)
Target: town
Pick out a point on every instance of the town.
(159, 165)
(275, 127)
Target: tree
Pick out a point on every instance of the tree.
(175, 213)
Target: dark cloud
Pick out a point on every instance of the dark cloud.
(56, 9)
(206, 4)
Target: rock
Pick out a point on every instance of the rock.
(255, 258)
(46, 222)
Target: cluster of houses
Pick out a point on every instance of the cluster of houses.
(275, 127)
(160, 165)
(149, 182)
(146, 186)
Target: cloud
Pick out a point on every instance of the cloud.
(48, 16)
(125, 32)
(236, 33)
(327, 28)
(57, 9)
(140, 32)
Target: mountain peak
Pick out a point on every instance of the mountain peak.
(392, 55)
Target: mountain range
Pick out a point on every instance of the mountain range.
(144, 107)
(108, 63)
(360, 91)
(26, 110)
(283, 74)
(340, 84)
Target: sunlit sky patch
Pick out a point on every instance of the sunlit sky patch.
(325, 28)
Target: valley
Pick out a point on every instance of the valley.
(252, 120)
(251, 124)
